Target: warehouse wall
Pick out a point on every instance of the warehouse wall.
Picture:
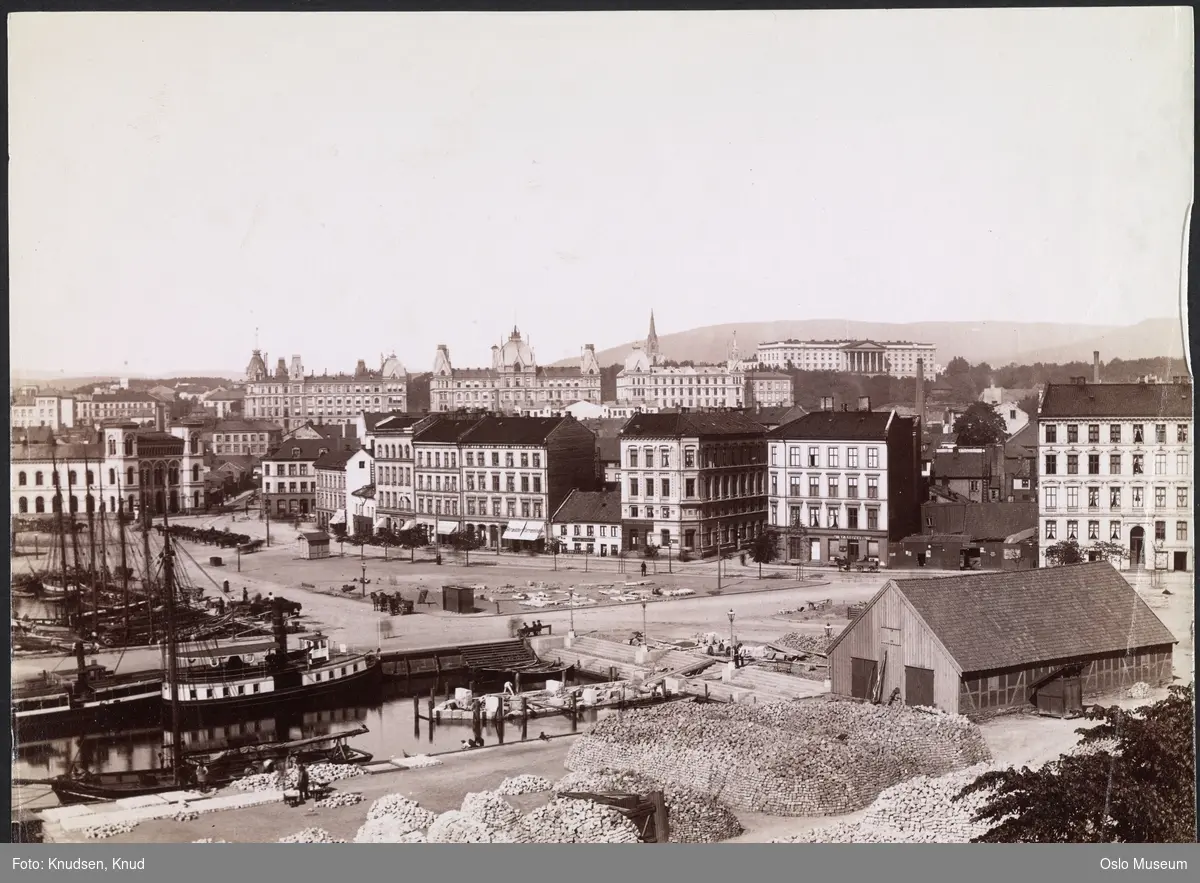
(890, 624)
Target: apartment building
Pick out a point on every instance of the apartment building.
(289, 476)
(330, 471)
(692, 481)
(391, 439)
(254, 438)
(769, 389)
(898, 358)
(589, 523)
(1116, 467)
(32, 407)
(844, 483)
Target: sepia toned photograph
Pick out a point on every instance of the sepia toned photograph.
(578, 427)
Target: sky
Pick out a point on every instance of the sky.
(355, 184)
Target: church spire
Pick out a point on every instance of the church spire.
(652, 342)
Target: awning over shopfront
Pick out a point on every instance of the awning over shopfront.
(445, 528)
(339, 517)
(408, 525)
(525, 530)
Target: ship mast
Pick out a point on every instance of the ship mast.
(62, 536)
(149, 561)
(75, 553)
(124, 562)
(172, 647)
(91, 524)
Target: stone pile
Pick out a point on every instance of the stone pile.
(575, 821)
(209, 840)
(311, 835)
(805, 642)
(1140, 690)
(185, 816)
(402, 814)
(108, 829)
(342, 798)
(260, 782)
(387, 830)
(327, 773)
(491, 809)
(458, 827)
(784, 759)
(692, 816)
(525, 784)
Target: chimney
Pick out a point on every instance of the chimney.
(826, 403)
(1095, 366)
(360, 369)
(921, 388)
(160, 417)
(297, 368)
(589, 347)
(864, 403)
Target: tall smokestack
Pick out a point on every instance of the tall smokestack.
(160, 417)
(1095, 366)
(921, 389)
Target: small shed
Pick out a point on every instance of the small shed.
(982, 643)
(458, 599)
(313, 544)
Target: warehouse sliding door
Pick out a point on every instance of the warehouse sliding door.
(862, 677)
(918, 686)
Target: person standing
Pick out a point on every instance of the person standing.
(302, 783)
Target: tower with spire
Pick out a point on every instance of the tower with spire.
(652, 343)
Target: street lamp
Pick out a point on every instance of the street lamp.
(645, 640)
(571, 608)
(731, 653)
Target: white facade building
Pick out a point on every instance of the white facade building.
(34, 408)
(589, 523)
(1115, 463)
(897, 358)
(649, 382)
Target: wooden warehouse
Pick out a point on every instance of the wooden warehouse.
(982, 643)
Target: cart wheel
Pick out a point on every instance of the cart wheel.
(248, 771)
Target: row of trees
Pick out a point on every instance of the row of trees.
(417, 537)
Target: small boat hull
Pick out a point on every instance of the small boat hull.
(114, 786)
(359, 683)
(59, 713)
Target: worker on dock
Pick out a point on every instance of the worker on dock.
(302, 783)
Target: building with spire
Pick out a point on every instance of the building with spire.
(649, 380)
(290, 397)
(513, 382)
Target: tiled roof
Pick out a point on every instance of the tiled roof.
(1023, 442)
(445, 430)
(767, 375)
(991, 621)
(1154, 401)
(512, 430)
(128, 395)
(33, 434)
(775, 415)
(246, 426)
(684, 425)
(63, 452)
(959, 464)
(367, 492)
(590, 507)
(336, 460)
(605, 427)
(609, 448)
(226, 395)
(309, 449)
(837, 425)
(396, 422)
(981, 521)
(372, 419)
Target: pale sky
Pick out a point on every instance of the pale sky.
(358, 183)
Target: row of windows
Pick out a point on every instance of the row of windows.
(393, 500)
(40, 479)
(88, 503)
(726, 533)
(393, 452)
(833, 486)
(527, 508)
(436, 459)
(289, 487)
(528, 483)
(1114, 530)
(291, 469)
(1116, 433)
(1115, 462)
(833, 516)
(798, 456)
(711, 457)
(715, 488)
(591, 530)
(394, 474)
(1115, 497)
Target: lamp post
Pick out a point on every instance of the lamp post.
(571, 609)
(669, 541)
(731, 654)
(645, 639)
(364, 579)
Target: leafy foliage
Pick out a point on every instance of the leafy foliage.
(1108, 551)
(650, 551)
(764, 550)
(1133, 783)
(980, 425)
(1064, 552)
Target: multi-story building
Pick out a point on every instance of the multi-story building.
(1116, 467)
(844, 483)
(330, 472)
(289, 477)
(33, 466)
(516, 471)
(290, 397)
(392, 441)
(514, 383)
(32, 407)
(769, 389)
(123, 406)
(649, 381)
(897, 358)
(694, 481)
(254, 438)
(589, 522)
(225, 402)
(437, 473)
(360, 497)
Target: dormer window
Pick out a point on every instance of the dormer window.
(296, 452)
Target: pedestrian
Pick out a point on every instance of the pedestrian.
(245, 595)
(643, 568)
(302, 783)
(202, 777)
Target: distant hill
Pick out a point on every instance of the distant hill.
(56, 380)
(998, 343)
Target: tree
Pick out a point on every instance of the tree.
(650, 551)
(1108, 551)
(386, 537)
(411, 539)
(763, 550)
(958, 365)
(980, 425)
(465, 542)
(1135, 783)
(1065, 552)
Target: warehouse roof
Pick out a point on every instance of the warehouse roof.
(336, 460)
(685, 424)
(839, 425)
(960, 464)
(1153, 401)
(513, 430)
(590, 507)
(989, 621)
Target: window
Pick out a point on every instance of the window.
(833, 517)
(524, 484)
(1114, 433)
(1072, 434)
(872, 487)
(690, 487)
(814, 486)
(1139, 464)
(1114, 530)
(974, 487)
(1160, 464)
(510, 483)
(872, 458)
(1182, 464)
(508, 459)
(1138, 434)
(1051, 433)
(1160, 433)
(1181, 433)
(852, 518)
(1093, 530)
(1051, 498)
(21, 480)
(649, 487)
(814, 456)
(1093, 464)
(537, 484)
(1114, 498)
(665, 456)
(576, 527)
(794, 456)
(1160, 530)
(633, 534)
(524, 461)
(1072, 464)
(833, 486)
(1094, 433)
(649, 458)
(1051, 464)
(495, 458)
(1093, 497)
(851, 458)
(852, 487)
(1181, 532)
(814, 516)
(1114, 464)
(1072, 498)
(1051, 530)
(1137, 497)
(1072, 530)
(794, 516)
(1181, 498)
(633, 513)
(496, 483)
(1160, 498)
(832, 455)
(666, 488)
(872, 519)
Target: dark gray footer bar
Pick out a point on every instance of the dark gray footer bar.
(727, 863)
